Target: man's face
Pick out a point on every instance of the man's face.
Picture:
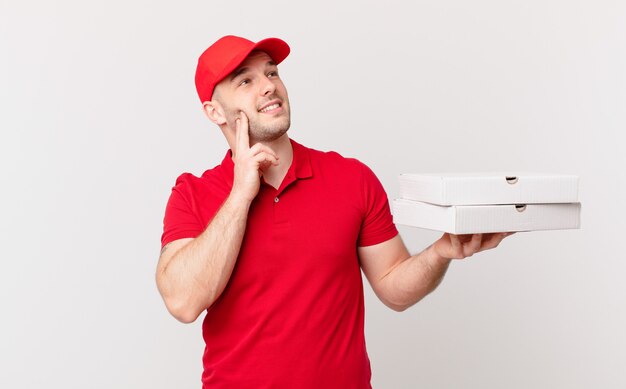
(256, 89)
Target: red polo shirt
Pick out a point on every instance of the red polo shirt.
(292, 314)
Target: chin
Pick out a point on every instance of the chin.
(269, 134)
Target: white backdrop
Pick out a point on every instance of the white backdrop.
(99, 116)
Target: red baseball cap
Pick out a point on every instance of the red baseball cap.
(225, 55)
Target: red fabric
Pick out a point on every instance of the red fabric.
(226, 54)
(292, 314)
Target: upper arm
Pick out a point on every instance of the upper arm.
(377, 223)
(181, 219)
(379, 260)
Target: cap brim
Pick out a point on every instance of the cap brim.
(274, 47)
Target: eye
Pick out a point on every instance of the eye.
(272, 73)
(245, 81)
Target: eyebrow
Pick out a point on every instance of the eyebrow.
(244, 69)
(237, 73)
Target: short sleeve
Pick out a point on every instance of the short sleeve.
(180, 221)
(377, 225)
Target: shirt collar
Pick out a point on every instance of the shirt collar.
(301, 160)
(300, 165)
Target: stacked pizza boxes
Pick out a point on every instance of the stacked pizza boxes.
(488, 202)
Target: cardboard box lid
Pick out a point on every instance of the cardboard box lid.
(489, 188)
(473, 219)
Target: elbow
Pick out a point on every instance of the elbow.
(401, 306)
(182, 307)
(183, 312)
(179, 303)
(397, 307)
(391, 300)
(185, 318)
(188, 309)
(401, 303)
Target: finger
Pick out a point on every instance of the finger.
(465, 238)
(243, 138)
(264, 165)
(260, 147)
(237, 134)
(473, 246)
(495, 240)
(265, 159)
(492, 242)
(244, 119)
(456, 245)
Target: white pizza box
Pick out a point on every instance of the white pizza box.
(489, 188)
(473, 219)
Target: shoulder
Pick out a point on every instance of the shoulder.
(191, 185)
(337, 161)
(351, 169)
(187, 179)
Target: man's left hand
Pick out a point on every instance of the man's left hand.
(452, 246)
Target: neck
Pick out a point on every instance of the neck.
(274, 175)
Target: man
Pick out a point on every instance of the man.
(271, 242)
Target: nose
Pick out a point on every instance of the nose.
(267, 87)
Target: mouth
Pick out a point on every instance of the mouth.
(271, 107)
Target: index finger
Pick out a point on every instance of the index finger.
(243, 138)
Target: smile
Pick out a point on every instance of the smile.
(270, 108)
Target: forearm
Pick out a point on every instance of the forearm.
(198, 273)
(414, 278)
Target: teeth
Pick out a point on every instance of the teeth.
(273, 106)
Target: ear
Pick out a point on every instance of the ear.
(214, 111)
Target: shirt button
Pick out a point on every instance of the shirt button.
(275, 199)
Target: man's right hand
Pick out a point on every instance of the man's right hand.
(249, 161)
